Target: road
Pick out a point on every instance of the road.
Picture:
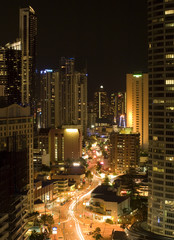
(65, 218)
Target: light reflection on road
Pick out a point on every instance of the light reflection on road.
(71, 212)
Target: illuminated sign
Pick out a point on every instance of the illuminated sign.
(137, 75)
(54, 230)
(76, 164)
(72, 130)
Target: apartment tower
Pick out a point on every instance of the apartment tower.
(161, 116)
(137, 105)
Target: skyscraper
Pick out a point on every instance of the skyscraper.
(118, 108)
(10, 73)
(161, 116)
(137, 105)
(49, 98)
(28, 36)
(101, 103)
(72, 95)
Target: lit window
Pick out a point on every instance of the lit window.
(170, 25)
(167, 12)
(169, 82)
(169, 55)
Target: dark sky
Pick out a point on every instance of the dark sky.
(109, 35)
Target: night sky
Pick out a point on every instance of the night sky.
(110, 36)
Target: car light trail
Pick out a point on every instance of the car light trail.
(71, 213)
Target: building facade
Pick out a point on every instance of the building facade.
(137, 105)
(161, 116)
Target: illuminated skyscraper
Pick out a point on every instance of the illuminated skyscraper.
(101, 103)
(10, 73)
(137, 105)
(72, 95)
(28, 35)
(161, 116)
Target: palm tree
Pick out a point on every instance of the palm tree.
(96, 234)
(36, 236)
(47, 219)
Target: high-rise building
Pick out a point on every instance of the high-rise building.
(161, 116)
(72, 95)
(28, 36)
(16, 122)
(101, 103)
(10, 73)
(137, 105)
(124, 150)
(118, 108)
(49, 98)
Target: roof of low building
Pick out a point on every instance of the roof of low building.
(108, 194)
(111, 198)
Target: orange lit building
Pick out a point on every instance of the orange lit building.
(137, 105)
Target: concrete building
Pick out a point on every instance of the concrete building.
(15, 121)
(28, 36)
(124, 150)
(137, 105)
(161, 117)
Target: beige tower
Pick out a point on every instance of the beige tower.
(137, 105)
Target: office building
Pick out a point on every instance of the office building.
(28, 37)
(124, 150)
(161, 117)
(137, 105)
(16, 123)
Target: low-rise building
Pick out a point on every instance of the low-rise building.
(106, 204)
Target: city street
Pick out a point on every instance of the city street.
(75, 222)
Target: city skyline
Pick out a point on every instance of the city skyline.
(98, 34)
